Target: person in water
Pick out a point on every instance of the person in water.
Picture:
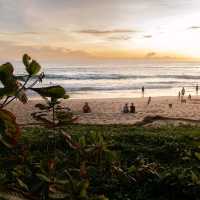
(125, 108)
(197, 89)
(132, 108)
(86, 108)
(183, 91)
(142, 91)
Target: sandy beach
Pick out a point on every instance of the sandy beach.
(109, 111)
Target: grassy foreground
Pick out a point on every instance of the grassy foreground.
(107, 162)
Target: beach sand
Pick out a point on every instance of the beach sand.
(109, 111)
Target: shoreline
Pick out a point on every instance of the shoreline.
(109, 111)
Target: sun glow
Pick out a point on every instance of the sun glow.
(126, 29)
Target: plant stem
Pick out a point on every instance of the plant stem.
(19, 90)
(6, 99)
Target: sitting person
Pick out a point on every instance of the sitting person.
(86, 108)
(132, 108)
(125, 108)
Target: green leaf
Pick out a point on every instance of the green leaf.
(43, 177)
(132, 169)
(7, 68)
(83, 186)
(9, 130)
(26, 60)
(52, 91)
(194, 177)
(22, 184)
(32, 67)
(8, 80)
(6, 74)
(197, 155)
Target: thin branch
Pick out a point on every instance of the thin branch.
(6, 99)
(18, 91)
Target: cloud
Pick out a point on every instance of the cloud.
(194, 27)
(118, 38)
(14, 51)
(150, 54)
(106, 32)
(21, 33)
(148, 36)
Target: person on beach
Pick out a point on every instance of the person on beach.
(179, 95)
(149, 101)
(183, 91)
(125, 108)
(189, 97)
(132, 108)
(142, 91)
(197, 89)
(86, 108)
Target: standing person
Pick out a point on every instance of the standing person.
(142, 91)
(179, 95)
(183, 91)
(149, 101)
(197, 89)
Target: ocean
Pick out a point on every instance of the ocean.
(122, 80)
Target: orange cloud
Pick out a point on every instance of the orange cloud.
(106, 32)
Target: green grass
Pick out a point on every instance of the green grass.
(164, 162)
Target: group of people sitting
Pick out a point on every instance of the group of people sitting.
(126, 109)
(129, 109)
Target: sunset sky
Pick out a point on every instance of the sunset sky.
(100, 29)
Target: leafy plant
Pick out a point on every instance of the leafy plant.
(35, 176)
(15, 87)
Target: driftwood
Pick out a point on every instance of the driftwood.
(45, 121)
(151, 119)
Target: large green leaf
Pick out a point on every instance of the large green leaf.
(26, 60)
(52, 91)
(6, 74)
(9, 130)
(8, 80)
(32, 67)
(7, 68)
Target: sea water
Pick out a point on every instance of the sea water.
(121, 80)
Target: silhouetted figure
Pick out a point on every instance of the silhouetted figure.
(132, 108)
(125, 108)
(149, 101)
(142, 91)
(197, 89)
(179, 95)
(189, 97)
(183, 91)
(86, 108)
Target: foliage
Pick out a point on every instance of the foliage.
(15, 87)
(119, 162)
